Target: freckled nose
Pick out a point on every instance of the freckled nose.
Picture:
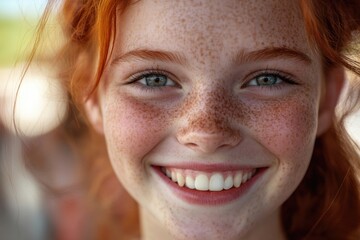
(207, 133)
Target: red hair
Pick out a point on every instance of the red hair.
(326, 205)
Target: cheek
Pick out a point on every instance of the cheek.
(287, 130)
(286, 127)
(132, 127)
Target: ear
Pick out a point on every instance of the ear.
(331, 90)
(93, 112)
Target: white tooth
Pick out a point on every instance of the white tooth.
(189, 182)
(202, 182)
(237, 179)
(216, 182)
(245, 177)
(180, 179)
(229, 183)
(168, 173)
(173, 176)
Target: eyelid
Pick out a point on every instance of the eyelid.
(285, 77)
(139, 75)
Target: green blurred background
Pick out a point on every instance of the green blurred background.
(15, 34)
(18, 20)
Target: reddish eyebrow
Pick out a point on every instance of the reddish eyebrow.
(270, 53)
(151, 55)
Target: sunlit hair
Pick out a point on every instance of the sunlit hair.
(326, 205)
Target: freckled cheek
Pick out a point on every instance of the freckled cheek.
(133, 128)
(288, 130)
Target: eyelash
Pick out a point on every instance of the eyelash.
(134, 79)
(287, 79)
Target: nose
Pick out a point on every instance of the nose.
(209, 130)
(205, 142)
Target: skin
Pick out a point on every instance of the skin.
(211, 112)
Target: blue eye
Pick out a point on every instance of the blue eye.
(266, 80)
(155, 80)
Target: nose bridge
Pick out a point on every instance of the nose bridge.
(208, 123)
(209, 116)
(207, 109)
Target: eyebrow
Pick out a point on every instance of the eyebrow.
(271, 53)
(151, 55)
(241, 57)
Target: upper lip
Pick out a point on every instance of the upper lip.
(221, 167)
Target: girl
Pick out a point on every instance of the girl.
(219, 116)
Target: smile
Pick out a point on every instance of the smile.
(209, 184)
(205, 181)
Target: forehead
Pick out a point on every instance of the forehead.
(199, 25)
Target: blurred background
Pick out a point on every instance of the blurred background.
(52, 206)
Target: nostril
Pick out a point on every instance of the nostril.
(208, 132)
(224, 145)
(208, 142)
(191, 145)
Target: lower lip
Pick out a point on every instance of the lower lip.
(209, 197)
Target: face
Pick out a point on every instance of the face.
(210, 110)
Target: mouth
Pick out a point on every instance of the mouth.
(204, 181)
(209, 185)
